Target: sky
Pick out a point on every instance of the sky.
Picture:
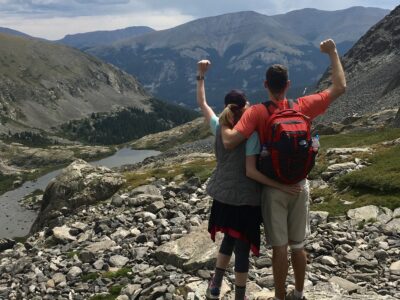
(53, 19)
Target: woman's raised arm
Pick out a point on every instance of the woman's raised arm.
(202, 67)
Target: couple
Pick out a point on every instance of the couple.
(239, 189)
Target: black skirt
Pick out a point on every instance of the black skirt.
(240, 222)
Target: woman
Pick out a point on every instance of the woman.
(236, 206)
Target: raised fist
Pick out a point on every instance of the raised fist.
(203, 65)
(327, 46)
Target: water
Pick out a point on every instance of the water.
(15, 221)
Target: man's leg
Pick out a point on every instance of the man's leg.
(299, 263)
(280, 267)
(274, 212)
(297, 230)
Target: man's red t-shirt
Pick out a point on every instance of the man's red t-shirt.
(256, 117)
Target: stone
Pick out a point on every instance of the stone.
(318, 217)
(78, 184)
(146, 189)
(341, 167)
(395, 268)
(191, 252)
(62, 234)
(131, 290)
(393, 226)
(329, 260)
(74, 272)
(100, 246)
(352, 256)
(345, 284)
(118, 261)
(364, 213)
(58, 278)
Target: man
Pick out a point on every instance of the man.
(286, 216)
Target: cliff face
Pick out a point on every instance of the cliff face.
(372, 69)
(43, 85)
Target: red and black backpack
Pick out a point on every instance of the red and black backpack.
(287, 155)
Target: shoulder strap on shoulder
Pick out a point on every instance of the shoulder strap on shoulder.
(293, 104)
(270, 104)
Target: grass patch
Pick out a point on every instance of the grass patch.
(71, 254)
(90, 276)
(359, 139)
(200, 168)
(380, 178)
(6, 183)
(123, 272)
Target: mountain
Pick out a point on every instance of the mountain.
(97, 38)
(44, 85)
(13, 32)
(372, 69)
(240, 46)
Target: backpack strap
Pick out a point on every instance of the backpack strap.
(268, 105)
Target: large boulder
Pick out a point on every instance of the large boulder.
(78, 184)
(191, 252)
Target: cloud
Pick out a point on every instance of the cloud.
(31, 16)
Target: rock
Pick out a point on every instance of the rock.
(396, 121)
(62, 234)
(341, 167)
(343, 151)
(364, 213)
(395, 268)
(393, 226)
(329, 260)
(74, 272)
(78, 184)
(345, 284)
(352, 256)
(100, 246)
(131, 290)
(146, 189)
(118, 261)
(318, 217)
(58, 278)
(191, 252)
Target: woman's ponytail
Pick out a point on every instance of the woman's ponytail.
(230, 115)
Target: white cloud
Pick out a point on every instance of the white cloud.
(54, 18)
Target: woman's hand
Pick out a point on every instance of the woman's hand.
(202, 66)
(292, 189)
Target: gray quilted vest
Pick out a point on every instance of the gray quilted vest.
(228, 183)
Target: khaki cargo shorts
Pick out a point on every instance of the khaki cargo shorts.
(285, 216)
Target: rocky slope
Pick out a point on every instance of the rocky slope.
(43, 85)
(241, 46)
(372, 69)
(129, 247)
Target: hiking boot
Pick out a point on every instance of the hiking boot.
(213, 291)
(291, 296)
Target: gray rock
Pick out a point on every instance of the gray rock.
(191, 252)
(395, 268)
(74, 272)
(58, 278)
(62, 234)
(329, 260)
(393, 226)
(78, 184)
(345, 284)
(364, 213)
(100, 246)
(146, 189)
(318, 217)
(118, 261)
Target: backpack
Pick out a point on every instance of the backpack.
(288, 155)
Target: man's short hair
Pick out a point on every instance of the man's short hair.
(277, 77)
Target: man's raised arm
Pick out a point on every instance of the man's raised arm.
(338, 86)
(231, 137)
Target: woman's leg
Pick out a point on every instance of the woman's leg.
(223, 258)
(242, 250)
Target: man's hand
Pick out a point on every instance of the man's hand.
(328, 46)
(202, 66)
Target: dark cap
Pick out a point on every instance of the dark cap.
(236, 97)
